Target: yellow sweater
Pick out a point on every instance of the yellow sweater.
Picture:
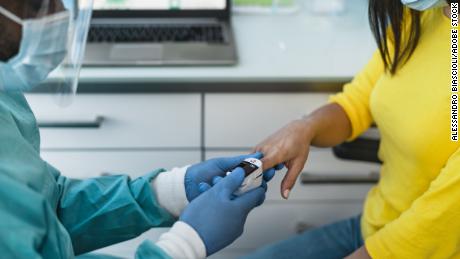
(414, 210)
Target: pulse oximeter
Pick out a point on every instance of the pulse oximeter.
(252, 175)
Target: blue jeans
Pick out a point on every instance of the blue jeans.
(336, 240)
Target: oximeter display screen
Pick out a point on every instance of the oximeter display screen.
(248, 168)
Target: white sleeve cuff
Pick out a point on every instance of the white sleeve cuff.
(182, 241)
(169, 190)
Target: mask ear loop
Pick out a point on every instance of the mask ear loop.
(43, 11)
(11, 16)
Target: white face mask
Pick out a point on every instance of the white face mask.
(422, 5)
(43, 47)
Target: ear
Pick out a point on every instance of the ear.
(10, 38)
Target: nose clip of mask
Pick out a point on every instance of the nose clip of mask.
(253, 175)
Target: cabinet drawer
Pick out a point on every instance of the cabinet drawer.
(78, 164)
(320, 162)
(273, 222)
(243, 120)
(133, 120)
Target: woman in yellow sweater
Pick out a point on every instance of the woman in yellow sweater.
(414, 210)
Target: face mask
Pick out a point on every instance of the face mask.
(422, 5)
(43, 47)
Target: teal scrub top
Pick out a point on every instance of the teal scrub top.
(46, 215)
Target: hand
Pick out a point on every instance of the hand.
(199, 177)
(218, 216)
(290, 145)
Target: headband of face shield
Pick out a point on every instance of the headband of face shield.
(51, 47)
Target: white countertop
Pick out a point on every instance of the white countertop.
(298, 47)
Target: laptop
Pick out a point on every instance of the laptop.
(161, 32)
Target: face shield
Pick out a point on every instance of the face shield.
(44, 44)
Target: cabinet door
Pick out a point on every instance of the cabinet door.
(119, 121)
(84, 164)
(242, 120)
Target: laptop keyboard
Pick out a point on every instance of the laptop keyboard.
(156, 33)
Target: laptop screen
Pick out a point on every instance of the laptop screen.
(159, 5)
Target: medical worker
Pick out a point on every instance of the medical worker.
(46, 215)
(405, 89)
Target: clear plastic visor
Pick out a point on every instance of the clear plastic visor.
(44, 45)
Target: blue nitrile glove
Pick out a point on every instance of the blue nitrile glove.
(204, 172)
(218, 216)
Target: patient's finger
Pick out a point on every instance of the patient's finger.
(295, 167)
(271, 159)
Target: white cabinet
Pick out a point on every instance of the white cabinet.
(143, 132)
(242, 120)
(137, 134)
(128, 120)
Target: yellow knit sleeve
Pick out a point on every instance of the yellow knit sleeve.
(430, 227)
(354, 98)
